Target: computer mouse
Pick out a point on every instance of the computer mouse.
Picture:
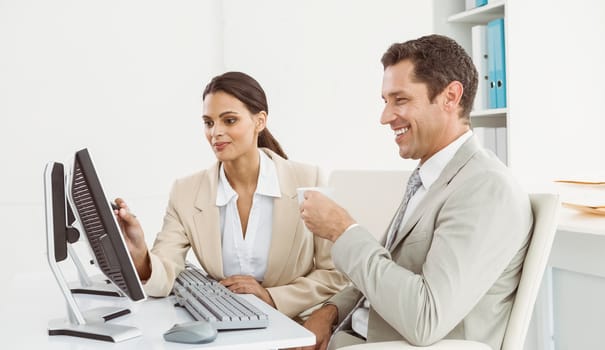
(195, 332)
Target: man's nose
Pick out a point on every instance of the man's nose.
(387, 115)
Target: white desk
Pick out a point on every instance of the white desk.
(27, 306)
(570, 307)
(580, 243)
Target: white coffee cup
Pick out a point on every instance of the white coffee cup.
(300, 192)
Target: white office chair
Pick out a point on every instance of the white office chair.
(545, 208)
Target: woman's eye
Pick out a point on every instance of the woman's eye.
(230, 120)
(208, 123)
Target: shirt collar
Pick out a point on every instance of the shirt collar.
(268, 181)
(267, 185)
(432, 168)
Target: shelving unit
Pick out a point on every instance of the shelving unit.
(452, 19)
(489, 118)
(479, 15)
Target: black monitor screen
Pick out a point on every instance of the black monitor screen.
(100, 227)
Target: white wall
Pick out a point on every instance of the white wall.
(319, 62)
(124, 79)
(556, 51)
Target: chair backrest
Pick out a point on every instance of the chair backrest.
(370, 196)
(545, 207)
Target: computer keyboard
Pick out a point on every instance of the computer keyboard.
(208, 300)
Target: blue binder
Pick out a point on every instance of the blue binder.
(480, 3)
(491, 65)
(496, 67)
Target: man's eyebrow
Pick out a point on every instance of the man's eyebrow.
(394, 93)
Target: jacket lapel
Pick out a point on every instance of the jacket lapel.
(208, 234)
(285, 220)
(462, 156)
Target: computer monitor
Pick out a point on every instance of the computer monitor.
(79, 191)
(65, 233)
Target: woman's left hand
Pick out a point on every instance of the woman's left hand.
(242, 284)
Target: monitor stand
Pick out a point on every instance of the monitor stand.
(59, 237)
(94, 326)
(95, 285)
(91, 323)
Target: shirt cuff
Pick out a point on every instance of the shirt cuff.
(350, 227)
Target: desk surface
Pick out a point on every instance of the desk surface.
(579, 243)
(572, 220)
(27, 307)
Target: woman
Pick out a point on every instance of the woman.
(240, 216)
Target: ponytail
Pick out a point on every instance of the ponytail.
(266, 139)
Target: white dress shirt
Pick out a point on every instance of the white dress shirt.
(249, 255)
(429, 173)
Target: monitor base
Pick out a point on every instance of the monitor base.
(96, 286)
(95, 326)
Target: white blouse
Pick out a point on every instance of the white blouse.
(248, 256)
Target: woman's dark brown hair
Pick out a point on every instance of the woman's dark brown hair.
(251, 94)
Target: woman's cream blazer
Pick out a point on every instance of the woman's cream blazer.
(300, 273)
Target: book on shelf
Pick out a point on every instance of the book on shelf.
(496, 65)
(480, 58)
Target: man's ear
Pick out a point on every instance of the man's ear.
(452, 94)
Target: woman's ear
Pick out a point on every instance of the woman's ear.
(261, 121)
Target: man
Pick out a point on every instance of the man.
(454, 251)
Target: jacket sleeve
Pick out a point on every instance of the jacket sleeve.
(168, 252)
(345, 301)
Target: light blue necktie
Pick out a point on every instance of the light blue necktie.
(414, 183)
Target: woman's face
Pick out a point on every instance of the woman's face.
(230, 128)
